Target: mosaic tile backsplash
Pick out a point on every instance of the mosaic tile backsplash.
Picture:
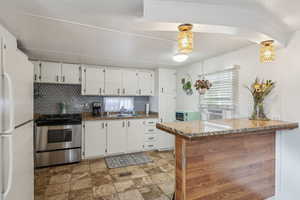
(48, 96)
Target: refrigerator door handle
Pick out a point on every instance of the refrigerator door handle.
(10, 167)
(11, 106)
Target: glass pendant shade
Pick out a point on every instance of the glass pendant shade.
(267, 51)
(185, 38)
(180, 57)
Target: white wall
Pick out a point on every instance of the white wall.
(250, 68)
(284, 103)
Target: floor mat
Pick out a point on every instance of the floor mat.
(127, 160)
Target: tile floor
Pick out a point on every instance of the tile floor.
(92, 180)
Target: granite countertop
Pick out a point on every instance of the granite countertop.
(196, 129)
(90, 117)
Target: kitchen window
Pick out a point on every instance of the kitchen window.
(117, 104)
(223, 95)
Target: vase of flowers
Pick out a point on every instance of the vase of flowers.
(260, 90)
(202, 86)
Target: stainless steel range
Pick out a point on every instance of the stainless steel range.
(57, 139)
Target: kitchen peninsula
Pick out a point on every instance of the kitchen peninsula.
(225, 159)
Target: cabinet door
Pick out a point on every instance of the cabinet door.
(113, 82)
(37, 71)
(70, 74)
(146, 83)
(167, 107)
(167, 81)
(167, 113)
(130, 83)
(50, 72)
(135, 135)
(94, 81)
(95, 139)
(116, 137)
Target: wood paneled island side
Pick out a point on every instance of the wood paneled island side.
(225, 159)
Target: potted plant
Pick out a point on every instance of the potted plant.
(187, 86)
(202, 86)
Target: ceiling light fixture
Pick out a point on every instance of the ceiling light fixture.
(185, 38)
(180, 57)
(267, 51)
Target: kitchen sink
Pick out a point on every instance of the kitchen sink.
(123, 115)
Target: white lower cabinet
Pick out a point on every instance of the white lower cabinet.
(166, 140)
(102, 138)
(116, 137)
(95, 139)
(135, 135)
(151, 137)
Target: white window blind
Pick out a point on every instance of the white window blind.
(224, 91)
(116, 104)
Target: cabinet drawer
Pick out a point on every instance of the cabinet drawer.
(151, 130)
(151, 137)
(150, 146)
(151, 122)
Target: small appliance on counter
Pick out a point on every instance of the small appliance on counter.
(97, 109)
(187, 116)
(62, 107)
(57, 139)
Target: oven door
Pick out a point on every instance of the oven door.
(57, 137)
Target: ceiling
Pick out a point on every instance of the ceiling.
(114, 33)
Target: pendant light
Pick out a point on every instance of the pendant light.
(267, 51)
(185, 38)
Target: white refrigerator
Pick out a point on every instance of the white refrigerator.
(16, 125)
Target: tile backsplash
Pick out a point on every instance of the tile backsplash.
(48, 97)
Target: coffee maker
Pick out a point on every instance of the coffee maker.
(97, 109)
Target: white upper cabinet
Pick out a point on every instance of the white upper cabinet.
(93, 80)
(113, 81)
(70, 74)
(135, 135)
(97, 80)
(130, 80)
(50, 72)
(116, 137)
(167, 81)
(146, 83)
(37, 71)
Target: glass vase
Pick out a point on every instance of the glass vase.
(259, 111)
